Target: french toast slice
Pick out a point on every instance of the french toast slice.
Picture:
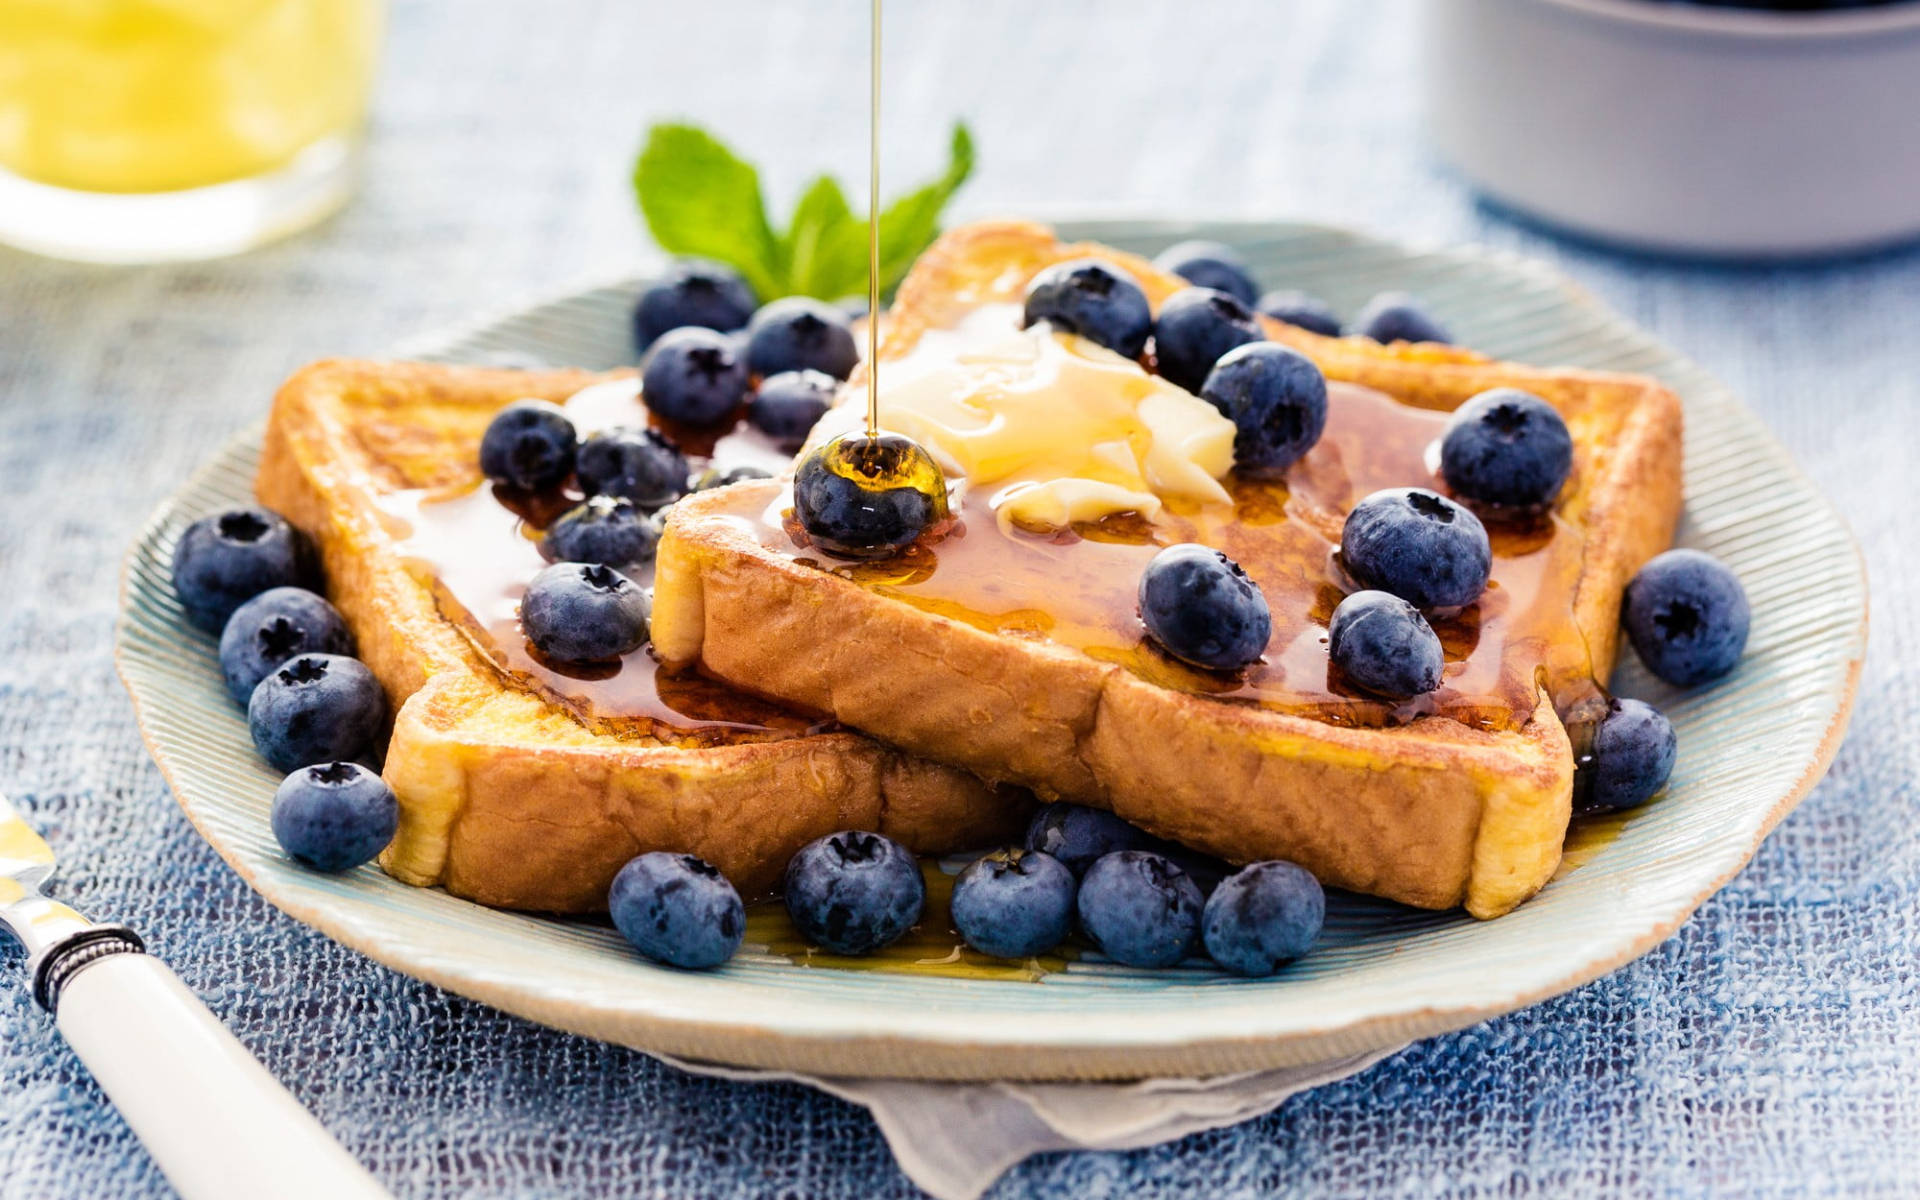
(968, 653)
(508, 797)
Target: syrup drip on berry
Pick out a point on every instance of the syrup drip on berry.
(857, 496)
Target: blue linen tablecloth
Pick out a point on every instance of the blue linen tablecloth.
(1768, 1049)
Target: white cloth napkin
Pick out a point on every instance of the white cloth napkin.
(955, 1139)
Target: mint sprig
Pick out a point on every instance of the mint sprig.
(702, 200)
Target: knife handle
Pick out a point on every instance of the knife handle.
(217, 1124)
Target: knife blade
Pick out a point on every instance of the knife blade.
(26, 861)
(217, 1124)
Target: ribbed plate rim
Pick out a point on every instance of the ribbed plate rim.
(853, 1024)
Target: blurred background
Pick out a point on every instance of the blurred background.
(497, 166)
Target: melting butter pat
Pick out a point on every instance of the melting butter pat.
(1056, 428)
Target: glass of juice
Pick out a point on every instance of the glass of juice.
(155, 130)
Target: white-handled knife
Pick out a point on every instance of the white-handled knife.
(217, 1124)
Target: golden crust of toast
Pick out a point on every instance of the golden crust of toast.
(1433, 813)
(505, 798)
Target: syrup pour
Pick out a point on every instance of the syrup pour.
(873, 232)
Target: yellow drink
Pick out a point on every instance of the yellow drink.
(161, 95)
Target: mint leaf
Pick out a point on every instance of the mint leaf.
(701, 200)
(825, 249)
(910, 223)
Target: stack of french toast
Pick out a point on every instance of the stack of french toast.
(746, 687)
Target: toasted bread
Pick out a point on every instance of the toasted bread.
(1437, 809)
(508, 797)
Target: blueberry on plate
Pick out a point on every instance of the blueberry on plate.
(1078, 835)
(693, 376)
(1087, 297)
(1507, 448)
(334, 816)
(316, 708)
(1631, 758)
(1277, 401)
(638, 464)
(800, 334)
(788, 405)
(1264, 915)
(1195, 327)
(1202, 609)
(1687, 617)
(273, 627)
(854, 893)
(529, 444)
(1210, 265)
(1139, 909)
(692, 292)
(1383, 645)
(1014, 903)
(1419, 545)
(584, 612)
(605, 529)
(1302, 310)
(227, 559)
(861, 497)
(1398, 317)
(678, 909)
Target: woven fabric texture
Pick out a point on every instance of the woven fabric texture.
(1768, 1049)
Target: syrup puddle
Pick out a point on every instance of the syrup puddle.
(1588, 836)
(932, 947)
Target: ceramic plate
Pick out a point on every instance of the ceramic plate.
(1749, 749)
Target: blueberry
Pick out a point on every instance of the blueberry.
(1383, 645)
(1302, 310)
(1398, 317)
(853, 893)
(334, 816)
(861, 497)
(800, 334)
(1632, 755)
(1077, 835)
(529, 444)
(1089, 298)
(1201, 608)
(1264, 915)
(1196, 326)
(316, 708)
(1210, 265)
(1277, 400)
(693, 376)
(224, 560)
(272, 628)
(789, 404)
(606, 529)
(583, 612)
(639, 464)
(678, 909)
(1419, 545)
(1014, 903)
(692, 292)
(1507, 448)
(1139, 909)
(1687, 617)
(714, 477)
